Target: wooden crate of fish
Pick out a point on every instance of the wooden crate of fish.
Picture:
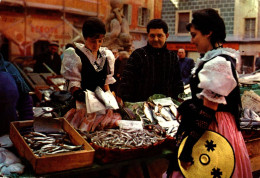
(47, 163)
(58, 81)
(43, 91)
(114, 145)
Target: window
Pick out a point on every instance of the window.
(143, 16)
(182, 19)
(247, 64)
(128, 13)
(250, 28)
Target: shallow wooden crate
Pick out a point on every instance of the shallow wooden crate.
(253, 148)
(38, 89)
(53, 163)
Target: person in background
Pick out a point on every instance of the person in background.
(257, 63)
(116, 53)
(215, 103)
(66, 47)
(15, 101)
(51, 58)
(152, 69)
(88, 65)
(186, 65)
(119, 68)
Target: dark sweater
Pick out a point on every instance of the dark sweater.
(150, 71)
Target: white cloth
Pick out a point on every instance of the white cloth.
(216, 78)
(71, 64)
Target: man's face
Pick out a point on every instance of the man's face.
(157, 38)
(53, 49)
(181, 53)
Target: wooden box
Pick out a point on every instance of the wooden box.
(53, 163)
(38, 89)
(58, 84)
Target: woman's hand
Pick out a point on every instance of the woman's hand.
(178, 117)
(185, 165)
(106, 87)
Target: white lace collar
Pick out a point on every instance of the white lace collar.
(216, 52)
(98, 63)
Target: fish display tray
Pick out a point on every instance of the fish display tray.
(51, 82)
(53, 163)
(108, 155)
(38, 89)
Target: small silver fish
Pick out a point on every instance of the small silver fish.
(38, 134)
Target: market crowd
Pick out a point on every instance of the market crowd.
(152, 69)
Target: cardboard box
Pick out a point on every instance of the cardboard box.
(53, 163)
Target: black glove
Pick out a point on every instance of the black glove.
(203, 118)
(79, 95)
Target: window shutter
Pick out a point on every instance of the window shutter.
(147, 16)
(139, 16)
(129, 14)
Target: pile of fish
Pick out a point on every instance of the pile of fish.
(124, 139)
(49, 144)
(163, 114)
(250, 119)
(84, 122)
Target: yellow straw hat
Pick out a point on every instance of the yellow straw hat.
(213, 157)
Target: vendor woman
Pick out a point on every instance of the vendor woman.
(88, 65)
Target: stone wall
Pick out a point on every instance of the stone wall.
(226, 7)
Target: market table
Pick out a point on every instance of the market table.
(152, 166)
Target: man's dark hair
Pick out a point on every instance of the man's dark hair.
(92, 27)
(207, 20)
(157, 24)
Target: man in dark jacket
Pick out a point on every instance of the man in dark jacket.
(152, 69)
(51, 58)
(186, 65)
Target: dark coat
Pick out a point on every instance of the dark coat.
(186, 65)
(54, 64)
(150, 71)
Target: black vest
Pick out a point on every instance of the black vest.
(233, 99)
(90, 78)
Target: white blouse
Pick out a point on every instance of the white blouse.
(71, 64)
(216, 79)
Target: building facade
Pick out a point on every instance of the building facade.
(241, 18)
(28, 25)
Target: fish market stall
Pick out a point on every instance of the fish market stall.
(44, 151)
(104, 138)
(250, 122)
(121, 133)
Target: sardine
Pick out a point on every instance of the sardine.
(58, 151)
(166, 115)
(38, 134)
(71, 147)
